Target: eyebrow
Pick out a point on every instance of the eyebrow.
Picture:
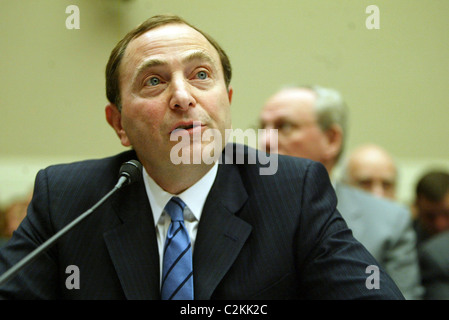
(198, 55)
(150, 63)
(195, 55)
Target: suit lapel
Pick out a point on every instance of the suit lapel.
(221, 234)
(133, 246)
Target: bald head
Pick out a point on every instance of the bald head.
(371, 168)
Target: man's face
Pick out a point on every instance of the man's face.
(434, 216)
(374, 171)
(170, 78)
(291, 112)
(379, 183)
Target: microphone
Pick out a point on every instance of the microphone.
(130, 172)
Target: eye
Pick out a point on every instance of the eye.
(387, 185)
(365, 183)
(202, 75)
(285, 127)
(153, 81)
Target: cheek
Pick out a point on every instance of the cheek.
(227, 122)
(292, 145)
(219, 111)
(300, 141)
(305, 144)
(141, 122)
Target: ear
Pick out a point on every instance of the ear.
(334, 142)
(230, 92)
(114, 118)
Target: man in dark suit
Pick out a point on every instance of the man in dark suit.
(254, 236)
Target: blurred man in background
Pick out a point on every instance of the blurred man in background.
(12, 216)
(371, 168)
(311, 123)
(432, 205)
(432, 228)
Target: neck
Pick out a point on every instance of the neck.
(179, 178)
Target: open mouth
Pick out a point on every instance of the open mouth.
(189, 126)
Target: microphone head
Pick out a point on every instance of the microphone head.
(131, 170)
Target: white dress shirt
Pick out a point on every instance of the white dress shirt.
(194, 198)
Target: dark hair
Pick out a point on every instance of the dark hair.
(434, 185)
(112, 68)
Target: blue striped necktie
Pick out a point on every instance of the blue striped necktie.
(177, 272)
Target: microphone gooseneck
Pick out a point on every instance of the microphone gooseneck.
(130, 172)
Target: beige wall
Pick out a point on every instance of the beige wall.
(394, 79)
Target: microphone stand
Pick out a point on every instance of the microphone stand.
(34, 254)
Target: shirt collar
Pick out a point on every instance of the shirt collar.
(194, 197)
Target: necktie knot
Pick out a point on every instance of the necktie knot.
(175, 208)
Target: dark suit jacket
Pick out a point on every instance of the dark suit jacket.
(385, 229)
(260, 237)
(434, 261)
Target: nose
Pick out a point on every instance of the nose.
(268, 140)
(181, 97)
(378, 190)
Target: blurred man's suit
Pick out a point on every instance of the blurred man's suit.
(434, 262)
(260, 237)
(385, 229)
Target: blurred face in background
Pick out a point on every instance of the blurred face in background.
(14, 215)
(433, 215)
(373, 170)
(291, 112)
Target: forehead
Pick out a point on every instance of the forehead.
(294, 104)
(444, 202)
(172, 40)
(373, 162)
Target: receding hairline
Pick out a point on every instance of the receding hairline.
(194, 54)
